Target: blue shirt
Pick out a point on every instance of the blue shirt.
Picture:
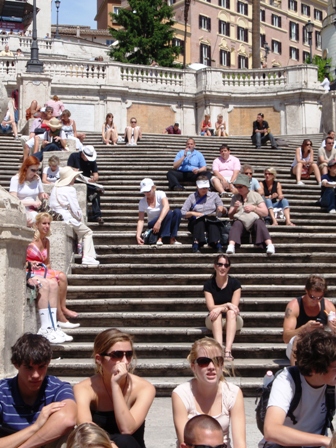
(328, 178)
(15, 414)
(192, 161)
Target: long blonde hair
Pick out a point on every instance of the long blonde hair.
(38, 219)
(88, 435)
(209, 345)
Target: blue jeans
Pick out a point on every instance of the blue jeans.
(259, 140)
(328, 199)
(283, 203)
(170, 224)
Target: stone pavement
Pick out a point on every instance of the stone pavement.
(160, 432)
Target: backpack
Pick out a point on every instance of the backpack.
(265, 393)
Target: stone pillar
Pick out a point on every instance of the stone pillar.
(32, 86)
(62, 241)
(14, 313)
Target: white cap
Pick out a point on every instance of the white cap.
(203, 184)
(146, 185)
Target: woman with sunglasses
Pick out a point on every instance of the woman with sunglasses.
(248, 171)
(246, 209)
(307, 312)
(114, 398)
(271, 191)
(303, 164)
(133, 133)
(27, 186)
(109, 131)
(222, 295)
(209, 393)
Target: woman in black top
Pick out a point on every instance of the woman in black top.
(222, 295)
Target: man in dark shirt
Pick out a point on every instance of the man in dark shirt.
(173, 129)
(260, 134)
(85, 160)
(35, 408)
(328, 188)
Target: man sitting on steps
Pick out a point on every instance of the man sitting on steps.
(261, 134)
(188, 165)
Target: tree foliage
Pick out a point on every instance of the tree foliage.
(146, 33)
(320, 63)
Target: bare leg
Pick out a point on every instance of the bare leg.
(14, 127)
(26, 151)
(36, 143)
(217, 184)
(271, 213)
(62, 310)
(128, 132)
(297, 170)
(314, 168)
(217, 330)
(231, 325)
(287, 217)
(114, 136)
(136, 134)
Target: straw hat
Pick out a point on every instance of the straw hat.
(66, 176)
(54, 123)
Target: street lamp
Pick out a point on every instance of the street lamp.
(57, 4)
(267, 50)
(309, 29)
(34, 65)
(186, 11)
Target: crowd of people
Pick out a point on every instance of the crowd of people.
(111, 406)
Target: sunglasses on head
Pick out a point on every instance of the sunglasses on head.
(222, 445)
(223, 265)
(204, 361)
(119, 354)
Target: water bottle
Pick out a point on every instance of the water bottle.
(268, 378)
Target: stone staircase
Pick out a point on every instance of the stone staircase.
(155, 294)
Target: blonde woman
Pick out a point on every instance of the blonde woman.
(114, 398)
(220, 127)
(89, 435)
(109, 131)
(209, 393)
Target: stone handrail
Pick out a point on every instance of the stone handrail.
(253, 78)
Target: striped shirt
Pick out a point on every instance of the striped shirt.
(15, 414)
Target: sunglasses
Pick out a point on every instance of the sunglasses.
(204, 361)
(223, 265)
(119, 354)
(33, 170)
(239, 186)
(222, 445)
(248, 173)
(133, 121)
(314, 297)
(308, 144)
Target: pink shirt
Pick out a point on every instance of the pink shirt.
(226, 167)
(58, 107)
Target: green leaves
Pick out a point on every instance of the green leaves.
(146, 34)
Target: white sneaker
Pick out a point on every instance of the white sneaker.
(332, 211)
(52, 335)
(230, 249)
(67, 325)
(299, 183)
(176, 243)
(270, 250)
(60, 332)
(90, 261)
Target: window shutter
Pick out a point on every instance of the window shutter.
(209, 24)
(200, 21)
(279, 20)
(246, 35)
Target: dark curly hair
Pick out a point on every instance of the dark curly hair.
(31, 349)
(315, 351)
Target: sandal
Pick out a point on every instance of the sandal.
(228, 356)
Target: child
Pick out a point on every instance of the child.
(51, 173)
(206, 126)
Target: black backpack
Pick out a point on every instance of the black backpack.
(265, 393)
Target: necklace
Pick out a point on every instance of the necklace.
(123, 390)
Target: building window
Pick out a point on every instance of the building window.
(178, 43)
(318, 15)
(276, 47)
(318, 40)
(116, 10)
(225, 58)
(276, 20)
(171, 2)
(242, 34)
(224, 3)
(262, 15)
(305, 10)
(305, 56)
(205, 23)
(262, 40)
(205, 54)
(292, 5)
(294, 53)
(242, 8)
(224, 28)
(242, 62)
(294, 31)
(305, 36)
(209, 1)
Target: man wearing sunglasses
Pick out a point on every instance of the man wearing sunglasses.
(203, 431)
(307, 313)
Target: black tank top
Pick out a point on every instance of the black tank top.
(267, 192)
(303, 318)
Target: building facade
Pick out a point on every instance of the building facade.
(219, 32)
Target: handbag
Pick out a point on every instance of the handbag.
(149, 237)
(305, 173)
(247, 219)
